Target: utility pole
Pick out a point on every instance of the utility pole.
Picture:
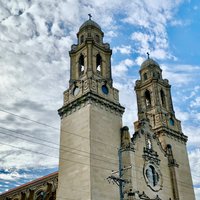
(119, 181)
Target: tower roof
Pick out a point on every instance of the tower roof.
(149, 62)
(89, 22)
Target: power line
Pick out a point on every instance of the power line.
(64, 159)
(63, 149)
(26, 118)
(44, 154)
(55, 128)
(57, 148)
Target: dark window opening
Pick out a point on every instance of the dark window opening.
(171, 122)
(97, 38)
(145, 76)
(82, 39)
(81, 65)
(147, 98)
(162, 96)
(98, 63)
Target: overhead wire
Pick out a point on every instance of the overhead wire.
(62, 149)
(48, 126)
(64, 159)
(63, 131)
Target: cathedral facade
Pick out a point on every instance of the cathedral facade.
(96, 149)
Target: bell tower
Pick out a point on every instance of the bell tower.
(154, 97)
(91, 118)
(159, 140)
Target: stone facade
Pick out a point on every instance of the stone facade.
(92, 113)
(151, 165)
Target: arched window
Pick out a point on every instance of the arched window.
(81, 65)
(145, 76)
(98, 63)
(97, 38)
(152, 175)
(171, 122)
(82, 39)
(147, 98)
(162, 96)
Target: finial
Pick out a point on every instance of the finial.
(148, 55)
(90, 16)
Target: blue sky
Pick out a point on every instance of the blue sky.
(35, 37)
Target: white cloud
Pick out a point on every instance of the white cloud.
(197, 193)
(35, 37)
(122, 67)
(195, 102)
(194, 157)
(180, 75)
(123, 49)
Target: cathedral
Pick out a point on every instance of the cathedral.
(99, 159)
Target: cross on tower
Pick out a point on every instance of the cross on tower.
(148, 54)
(90, 16)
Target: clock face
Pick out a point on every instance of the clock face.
(76, 91)
(105, 89)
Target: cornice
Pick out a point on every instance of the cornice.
(172, 134)
(143, 84)
(91, 98)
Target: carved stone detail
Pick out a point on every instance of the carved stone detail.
(94, 85)
(45, 187)
(86, 85)
(90, 98)
(151, 156)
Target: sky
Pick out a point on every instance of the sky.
(35, 37)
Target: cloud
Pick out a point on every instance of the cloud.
(122, 67)
(123, 49)
(35, 38)
(194, 163)
(152, 19)
(180, 74)
(195, 102)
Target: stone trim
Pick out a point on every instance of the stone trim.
(172, 134)
(91, 98)
(48, 184)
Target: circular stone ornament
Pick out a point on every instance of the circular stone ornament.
(152, 176)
